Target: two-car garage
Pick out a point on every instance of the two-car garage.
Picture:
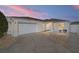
(27, 28)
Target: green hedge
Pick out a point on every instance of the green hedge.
(3, 24)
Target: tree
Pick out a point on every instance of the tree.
(3, 24)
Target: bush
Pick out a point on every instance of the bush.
(3, 24)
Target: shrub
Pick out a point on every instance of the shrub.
(3, 24)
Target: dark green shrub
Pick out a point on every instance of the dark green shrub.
(3, 24)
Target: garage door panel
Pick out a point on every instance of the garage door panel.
(27, 28)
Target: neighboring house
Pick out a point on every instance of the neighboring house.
(24, 25)
(75, 27)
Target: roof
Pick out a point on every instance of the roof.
(44, 20)
(74, 23)
(56, 20)
(31, 18)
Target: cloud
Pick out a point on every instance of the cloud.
(13, 14)
(27, 11)
(20, 9)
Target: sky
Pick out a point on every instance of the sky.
(64, 12)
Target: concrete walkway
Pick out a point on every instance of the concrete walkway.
(45, 42)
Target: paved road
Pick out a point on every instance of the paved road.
(45, 42)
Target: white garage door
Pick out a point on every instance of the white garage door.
(75, 28)
(27, 28)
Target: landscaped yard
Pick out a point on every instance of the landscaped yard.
(45, 42)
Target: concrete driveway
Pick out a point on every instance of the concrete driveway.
(45, 42)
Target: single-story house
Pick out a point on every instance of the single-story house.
(23, 25)
(75, 27)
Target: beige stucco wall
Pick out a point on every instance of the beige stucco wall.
(12, 27)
